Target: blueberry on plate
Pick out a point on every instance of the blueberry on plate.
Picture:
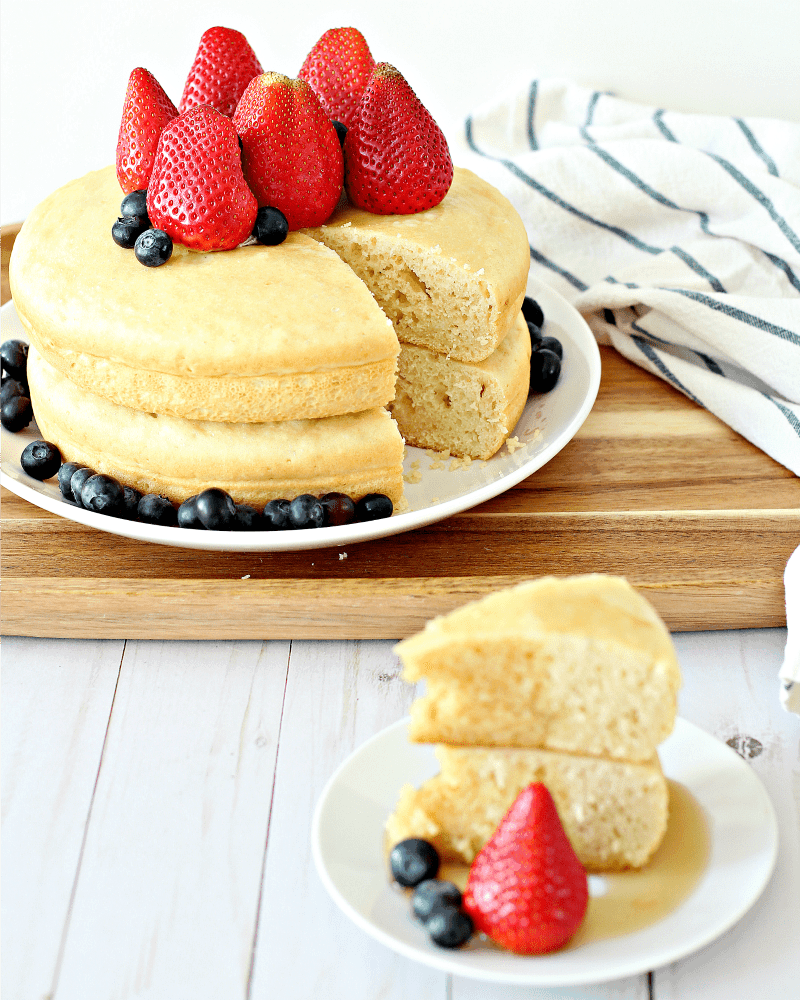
(449, 927)
(135, 203)
(154, 508)
(188, 516)
(153, 248)
(373, 507)
(433, 893)
(276, 515)
(339, 509)
(130, 503)
(271, 227)
(65, 474)
(76, 483)
(413, 861)
(306, 511)
(127, 230)
(532, 311)
(102, 494)
(545, 369)
(14, 355)
(11, 388)
(16, 413)
(216, 510)
(41, 460)
(247, 518)
(535, 334)
(550, 344)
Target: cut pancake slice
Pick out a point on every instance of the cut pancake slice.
(466, 409)
(614, 813)
(355, 453)
(452, 278)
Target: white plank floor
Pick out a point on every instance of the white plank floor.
(157, 800)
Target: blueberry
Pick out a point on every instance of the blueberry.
(65, 474)
(339, 509)
(536, 334)
(532, 311)
(306, 511)
(188, 516)
(545, 369)
(449, 927)
(550, 344)
(79, 477)
(373, 507)
(153, 508)
(433, 893)
(130, 503)
(127, 230)
(153, 248)
(271, 227)
(247, 518)
(16, 413)
(341, 131)
(102, 494)
(216, 511)
(41, 460)
(14, 355)
(135, 203)
(276, 515)
(11, 388)
(413, 861)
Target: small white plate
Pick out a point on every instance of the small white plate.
(547, 424)
(347, 841)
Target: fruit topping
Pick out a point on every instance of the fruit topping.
(40, 459)
(397, 159)
(153, 248)
(145, 112)
(134, 203)
(413, 861)
(338, 70)
(153, 508)
(432, 894)
(224, 65)
(188, 516)
(532, 312)
(76, 483)
(339, 509)
(14, 355)
(65, 474)
(550, 344)
(11, 389)
(215, 510)
(197, 192)
(271, 227)
(276, 515)
(102, 494)
(291, 154)
(247, 518)
(535, 332)
(373, 507)
(545, 370)
(127, 230)
(306, 511)
(449, 927)
(130, 503)
(16, 413)
(526, 888)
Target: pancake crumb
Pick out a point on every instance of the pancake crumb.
(513, 443)
(415, 476)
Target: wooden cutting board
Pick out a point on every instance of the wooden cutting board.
(652, 487)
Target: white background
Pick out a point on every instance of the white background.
(65, 65)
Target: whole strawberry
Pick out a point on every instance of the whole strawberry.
(397, 161)
(291, 155)
(338, 70)
(197, 193)
(221, 70)
(526, 888)
(145, 112)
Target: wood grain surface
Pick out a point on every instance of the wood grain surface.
(651, 487)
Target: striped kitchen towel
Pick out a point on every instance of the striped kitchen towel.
(676, 235)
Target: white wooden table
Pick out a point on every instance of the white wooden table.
(157, 799)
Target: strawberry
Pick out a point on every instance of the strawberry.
(221, 70)
(338, 70)
(396, 158)
(197, 193)
(291, 155)
(145, 112)
(526, 888)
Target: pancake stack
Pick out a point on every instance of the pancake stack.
(570, 682)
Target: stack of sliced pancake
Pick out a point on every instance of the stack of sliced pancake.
(571, 682)
(267, 371)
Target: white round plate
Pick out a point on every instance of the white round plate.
(547, 424)
(347, 840)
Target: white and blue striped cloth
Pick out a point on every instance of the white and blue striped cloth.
(676, 235)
